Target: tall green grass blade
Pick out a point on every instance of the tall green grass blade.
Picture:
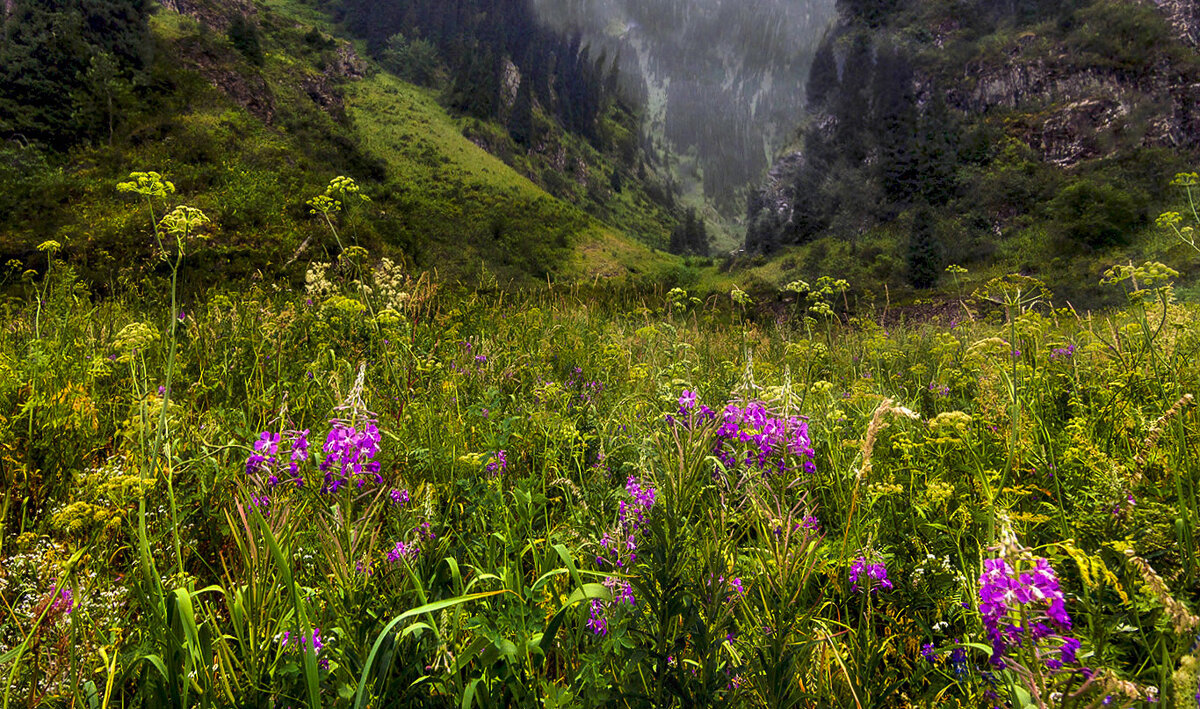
(361, 698)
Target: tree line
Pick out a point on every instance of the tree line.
(475, 38)
(68, 68)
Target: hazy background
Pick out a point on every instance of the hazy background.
(724, 79)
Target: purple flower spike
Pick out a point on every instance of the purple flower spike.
(597, 621)
(1025, 607)
(876, 573)
(929, 653)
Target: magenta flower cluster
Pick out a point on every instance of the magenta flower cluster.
(620, 545)
(753, 437)
(302, 642)
(1025, 609)
(265, 458)
(619, 551)
(350, 455)
(598, 618)
(403, 550)
(691, 412)
(873, 576)
(64, 601)
(499, 463)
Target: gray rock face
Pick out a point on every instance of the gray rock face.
(1184, 16)
(1075, 114)
(216, 15)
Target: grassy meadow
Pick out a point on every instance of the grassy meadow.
(378, 489)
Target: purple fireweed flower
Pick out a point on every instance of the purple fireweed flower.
(317, 643)
(499, 463)
(754, 438)
(399, 497)
(426, 532)
(263, 456)
(403, 550)
(876, 575)
(597, 621)
(1062, 352)
(1015, 607)
(64, 601)
(738, 589)
(618, 549)
(349, 455)
(621, 590)
(299, 451)
(687, 400)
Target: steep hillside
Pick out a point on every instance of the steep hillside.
(1040, 136)
(251, 109)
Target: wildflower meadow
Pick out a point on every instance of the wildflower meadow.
(373, 488)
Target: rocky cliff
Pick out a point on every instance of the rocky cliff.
(1075, 83)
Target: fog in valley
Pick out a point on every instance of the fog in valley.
(721, 81)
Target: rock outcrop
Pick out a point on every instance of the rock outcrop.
(246, 86)
(1184, 16)
(1071, 110)
(215, 15)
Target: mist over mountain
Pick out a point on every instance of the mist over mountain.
(724, 79)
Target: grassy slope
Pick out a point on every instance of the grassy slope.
(473, 199)
(451, 186)
(438, 200)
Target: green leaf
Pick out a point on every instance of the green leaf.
(585, 592)
(360, 701)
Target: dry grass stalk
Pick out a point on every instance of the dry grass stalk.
(1155, 433)
(877, 425)
(1180, 616)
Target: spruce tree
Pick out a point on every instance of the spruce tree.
(823, 81)
(520, 123)
(924, 251)
(894, 119)
(243, 34)
(937, 152)
(810, 207)
(45, 58)
(851, 107)
(700, 239)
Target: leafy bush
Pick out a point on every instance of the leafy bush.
(1095, 214)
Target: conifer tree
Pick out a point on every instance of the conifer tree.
(520, 123)
(823, 81)
(852, 106)
(937, 152)
(45, 57)
(894, 119)
(244, 36)
(924, 252)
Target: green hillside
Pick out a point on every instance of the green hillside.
(250, 133)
